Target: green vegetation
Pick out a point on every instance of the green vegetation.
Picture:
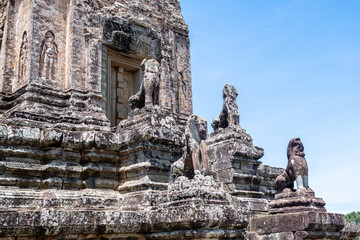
(353, 217)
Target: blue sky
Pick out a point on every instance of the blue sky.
(296, 67)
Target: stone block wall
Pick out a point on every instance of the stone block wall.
(45, 158)
(67, 173)
(268, 175)
(58, 45)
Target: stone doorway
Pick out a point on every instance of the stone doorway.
(121, 81)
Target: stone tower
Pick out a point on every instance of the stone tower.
(77, 62)
(98, 139)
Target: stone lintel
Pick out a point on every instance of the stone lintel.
(141, 184)
(130, 38)
(246, 193)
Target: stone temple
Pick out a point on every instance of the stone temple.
(98, 139)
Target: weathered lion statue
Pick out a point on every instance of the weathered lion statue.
(195, 156)
(296, 170)
(148, 94)
(229, 115)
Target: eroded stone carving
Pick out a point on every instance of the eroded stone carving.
(200, 186)
(23, 55)
(182, 92)
(229, 115)
(125, 36)
(148, 94)
(65, 174)
(296, 170)
(195, 157)
(3, 13)
(48, 57)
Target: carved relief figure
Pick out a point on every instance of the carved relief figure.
(296, 170)
(3, 14)
(181, 93)
(148, 94)
(195, 156)
(23, 55)
(48, 56)
(229, 115)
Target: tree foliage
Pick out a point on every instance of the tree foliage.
(353, 217)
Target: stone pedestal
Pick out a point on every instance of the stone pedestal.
(301, 200)
(150, 142)
(297, 215)
(234, 159)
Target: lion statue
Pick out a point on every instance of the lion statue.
(148, 94)
(296, 170)
(229, 115)
(195, 156)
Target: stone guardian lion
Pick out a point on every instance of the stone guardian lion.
(296, 170)
(148, 94)
(229, 115)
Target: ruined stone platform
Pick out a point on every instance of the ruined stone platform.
(150, 141)
(238, 161)
(94, 213)
(95, 100)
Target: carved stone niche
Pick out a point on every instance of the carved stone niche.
(43, 67)
(125, 46)
(121, 79)
(34, 45)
